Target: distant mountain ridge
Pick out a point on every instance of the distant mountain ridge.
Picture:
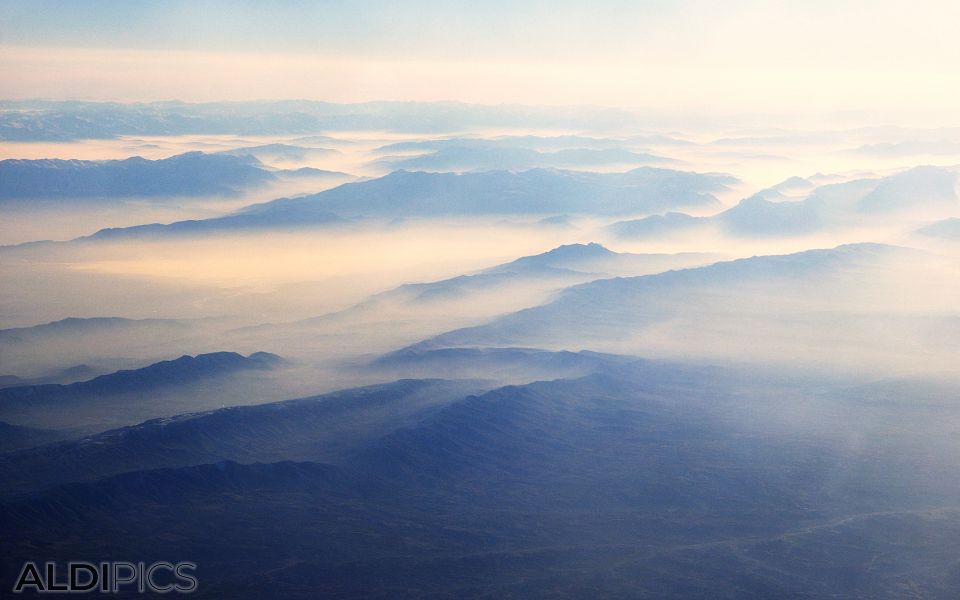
(535, 191)
(535, 276)
(69, 120)
(734, 306)
(189, 174)
(179, 370)
(31, 401)
(480, 156)
(828, 207)
(947, 229)
(79, 325)
(403, 194)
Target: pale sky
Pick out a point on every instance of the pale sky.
(900, 58)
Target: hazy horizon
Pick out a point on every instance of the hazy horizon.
(879, 63)
(452, 300)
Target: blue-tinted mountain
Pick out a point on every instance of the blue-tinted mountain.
(281, 152)
(532, 142)
(756, 309)
(312, 172)
(49, 353)
(523, 282)
(190, 174)
(15, 437)
(69, 120)
(232, 223)
(948, 229)
(668, 482)
(471, 156)
(760, 216)
(50, 350)
(595, 258)
(407, 314)
(418, 194)
(499, 364)
(180, 370)
(323, 428)
(73, 326)
(830, 207)
(568, 262)
(67, 375)
(920, 188)
(537, 191)
(793, 184)
(112, 392)
(657, 225)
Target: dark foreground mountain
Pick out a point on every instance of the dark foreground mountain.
(319, 428)
(13, 437)
(657, 481)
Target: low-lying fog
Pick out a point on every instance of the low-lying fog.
(294, 291)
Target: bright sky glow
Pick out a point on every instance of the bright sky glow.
(741, 56)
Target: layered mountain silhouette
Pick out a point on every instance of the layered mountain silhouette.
(831, 207)
(217, 225)
(556, 268)
(14, 437)
(73, 326)
(281, 152)
(48, 352)
(499, 364)
(471, 156)
(190, 174)
(659, 480)
(29, 120)
(110, 394)
(325, 428)
(408, 313)
(536, 191)
(543, 143)
(755, 309)
(421, 194)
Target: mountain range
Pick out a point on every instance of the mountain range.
(756, 309)
(482, 157)
(408, 313)
(115, 396)
(535, 191)
(32, 120)
(403, 194)
(831, 207)
(189, 174)
(656, 480)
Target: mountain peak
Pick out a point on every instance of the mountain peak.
(591, 249)
(568, 256)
